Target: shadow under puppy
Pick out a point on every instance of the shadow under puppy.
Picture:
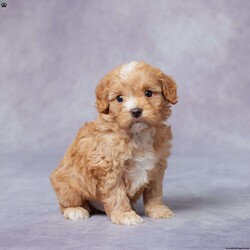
(123, 153)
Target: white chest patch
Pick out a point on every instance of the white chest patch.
(144, 160)
(138, 127)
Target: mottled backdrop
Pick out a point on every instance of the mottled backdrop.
(54, 52)
(52, 55)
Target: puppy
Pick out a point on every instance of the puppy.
(123, 153)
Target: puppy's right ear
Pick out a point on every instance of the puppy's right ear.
(102, 103)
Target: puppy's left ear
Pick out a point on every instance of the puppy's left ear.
(102, 102)
(169, 88)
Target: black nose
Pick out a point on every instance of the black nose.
(136, 112)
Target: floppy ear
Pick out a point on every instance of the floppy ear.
(102, 103)
(169, 88)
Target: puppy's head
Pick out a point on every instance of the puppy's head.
(136, 94)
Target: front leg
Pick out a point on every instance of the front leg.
(152, 196)
(117, 205)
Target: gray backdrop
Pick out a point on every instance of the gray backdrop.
(52, 55)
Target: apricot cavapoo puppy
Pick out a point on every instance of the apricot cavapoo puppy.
(123, 153)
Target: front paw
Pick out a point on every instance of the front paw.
(159, 212)
(128, 218)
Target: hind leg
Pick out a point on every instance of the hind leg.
(75, 213)
(75, 210)
(73, 206)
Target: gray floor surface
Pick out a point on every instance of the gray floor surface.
(209, 195)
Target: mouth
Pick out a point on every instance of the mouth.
(135, 125)
(138, 120)
(138, 126)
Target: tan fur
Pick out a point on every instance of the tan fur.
(117, 158)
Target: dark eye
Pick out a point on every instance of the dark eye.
(119, 98)
(148, 93)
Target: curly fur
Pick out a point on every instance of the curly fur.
(117, 158)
